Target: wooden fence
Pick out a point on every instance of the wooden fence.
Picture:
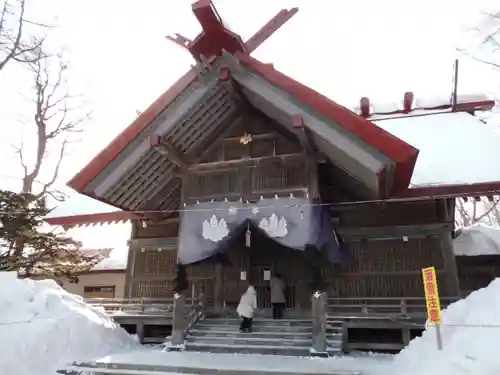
(394, 307)
(134, 306)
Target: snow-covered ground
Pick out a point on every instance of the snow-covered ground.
(471, 327)
(470, 332)
(42, 327)
(367, 364)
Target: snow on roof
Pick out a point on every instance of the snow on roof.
(470, 339)
(383, 108)
(477, 240)
(81, 205)
(114, 259)
(455, 148)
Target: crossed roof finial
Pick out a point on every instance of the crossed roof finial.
(215, 37)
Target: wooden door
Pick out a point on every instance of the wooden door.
(267, 255)
(233, 286)
(260, 261)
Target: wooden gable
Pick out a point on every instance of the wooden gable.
(267, 162)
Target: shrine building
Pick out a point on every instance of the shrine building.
(239, 172)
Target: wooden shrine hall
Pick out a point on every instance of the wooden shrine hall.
(236, 136)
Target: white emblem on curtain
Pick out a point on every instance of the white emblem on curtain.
(274, 227)
(214, 230)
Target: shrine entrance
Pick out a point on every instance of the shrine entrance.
(256, 264)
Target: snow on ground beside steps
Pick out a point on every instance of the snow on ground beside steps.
(466, 350)
(43, 327)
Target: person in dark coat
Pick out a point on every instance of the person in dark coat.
(278, 299)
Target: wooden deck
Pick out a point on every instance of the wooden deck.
(386, 324)
(380, 324)
(136, 311)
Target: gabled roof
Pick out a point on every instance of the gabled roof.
(130, 175)
(372, 155)
(117, 145)
(377, 139)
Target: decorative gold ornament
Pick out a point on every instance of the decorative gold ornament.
(246, 139)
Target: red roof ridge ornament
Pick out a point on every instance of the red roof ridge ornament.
(215, 37)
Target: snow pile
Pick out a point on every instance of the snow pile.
(470, 334)
(477, 240)
(43, 327)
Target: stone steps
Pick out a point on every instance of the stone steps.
(255, 334)
(251, 341)
(260, 321)
(223, 347)
(256, 328)
(334, 337)
(289, 337)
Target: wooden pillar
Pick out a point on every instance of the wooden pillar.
(140, 332)
(445, 215)
(130, 274)
(307, 144)
(245, 175)
(406, 336)
(450, 265)
(179, 320)
(319, 301)
(218, 288)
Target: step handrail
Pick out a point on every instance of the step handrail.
(195, 313)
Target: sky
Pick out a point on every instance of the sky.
(120, 60)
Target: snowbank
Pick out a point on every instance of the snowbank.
(42, 327)
(466, 350)
(477, 240)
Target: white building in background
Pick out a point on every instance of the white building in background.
(105, 280)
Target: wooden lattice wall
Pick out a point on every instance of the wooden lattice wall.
(386, 268)
(476, 272)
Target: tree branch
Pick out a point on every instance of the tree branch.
(9, 51)
(55, 120)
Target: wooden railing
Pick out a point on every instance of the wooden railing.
(138, 306)
(195, 312)
(381, 307)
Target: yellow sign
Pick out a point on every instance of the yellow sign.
(432, 295)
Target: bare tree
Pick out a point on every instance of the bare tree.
(472, 211)
(14, 44)
(57, 119)
(485, 47)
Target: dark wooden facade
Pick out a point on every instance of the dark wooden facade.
(477, 272)
(389, 241)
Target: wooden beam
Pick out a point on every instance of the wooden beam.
(217, 139)
(168, 150)
(251, 162)
(307, 143)
(249, 112)
(400, 230)
(269, 28)
(450, 264)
